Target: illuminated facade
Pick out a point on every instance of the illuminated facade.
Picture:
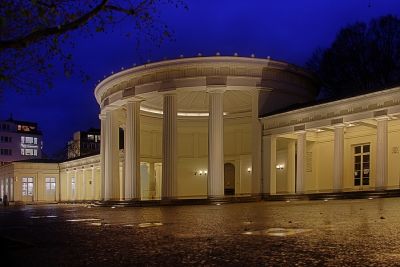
(19, 140)
(196, 128)
(84, 143)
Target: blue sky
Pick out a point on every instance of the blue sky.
(288, 30)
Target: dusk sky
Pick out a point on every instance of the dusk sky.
(288, 30)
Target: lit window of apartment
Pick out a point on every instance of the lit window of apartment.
(28, 140)
(29, 151)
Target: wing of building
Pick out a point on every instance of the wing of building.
(208, 127)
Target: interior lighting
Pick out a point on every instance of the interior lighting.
(181, 114)
(249, 170)
(280, 166)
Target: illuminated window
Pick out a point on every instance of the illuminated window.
(29, 151)
(50, 183)
(27, 186)
(90, 137)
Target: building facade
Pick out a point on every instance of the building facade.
(84, 143)
(192, 129)
(19, 140)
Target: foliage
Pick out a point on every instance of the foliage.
(34, 34)
(362, 58)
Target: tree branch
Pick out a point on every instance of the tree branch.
(43, 33)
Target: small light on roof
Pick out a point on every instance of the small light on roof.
(235, 54)
(252, 55)
(199, 54)
(217, 54)
(181, 56)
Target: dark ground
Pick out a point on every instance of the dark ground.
(298, 233)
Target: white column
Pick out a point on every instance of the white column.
(132, 150)
(338, 161)
(83, 195)
(102, 118)
(9, 188)
(111, 190)
(169, 161)
(256, 146)
(74, 193)
(67, 183)
(301, 158)
(382, 153)
(269, 164)
(152, 181)
(291, 166)
(216, 143)
(93, 184)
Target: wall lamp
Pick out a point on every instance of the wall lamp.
(201, 172)
(280, 166)
(249, 170)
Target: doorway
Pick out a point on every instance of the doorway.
(229, 179)
(361, 166)
(27, 189)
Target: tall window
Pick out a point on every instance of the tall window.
(361, 164)
(73, 187)
(27, 186)
(50, 184)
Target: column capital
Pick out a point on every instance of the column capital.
(102, 116)
(168, 92)
(134, 99)
(300, 132)
(339, 125)
(382, 118)
(216, 89)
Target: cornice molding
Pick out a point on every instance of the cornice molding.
(386, 102)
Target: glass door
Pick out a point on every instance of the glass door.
(27, 189)
(362, 166)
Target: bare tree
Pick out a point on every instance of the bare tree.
(34, 34)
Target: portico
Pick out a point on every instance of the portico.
(343, 145)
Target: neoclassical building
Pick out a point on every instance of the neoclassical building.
(207, 127)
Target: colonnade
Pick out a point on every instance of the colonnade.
(7, 188)
(215, 183)
(77, 180)
(296, 159)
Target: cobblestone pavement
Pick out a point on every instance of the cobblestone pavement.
(301, 233)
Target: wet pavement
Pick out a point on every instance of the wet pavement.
(363, 232)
